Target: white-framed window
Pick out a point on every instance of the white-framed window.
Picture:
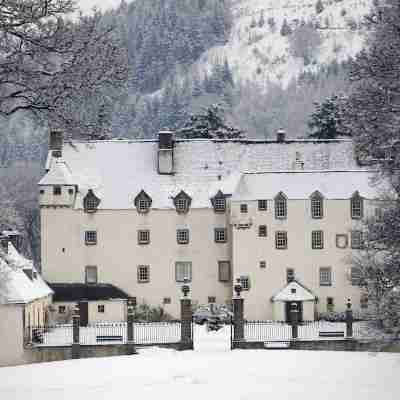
(245, 282)
(356, 239)
(144, 205)
(290, 275)
(220, 204)
(342, 241)
(101, 308)
(262, 205)
(220, 235)
(143, 273)
(262, 230)
(183, 269)
(143, 236)
(91, 203)
(182, 205)
(356, 206)
(263, 264)
(91, 274)
(317, 206)
(325, 276)
(317, 240)
(62, 309)
(281, 240)
(182, 236)
(90, 237)
(243, 208)
(280, 206)
(224, 271)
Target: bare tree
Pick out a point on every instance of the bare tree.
(51, 66)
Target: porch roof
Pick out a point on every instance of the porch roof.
(294, 291)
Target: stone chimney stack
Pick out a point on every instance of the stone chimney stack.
(56, 143)
(280, 136)
(165, 152)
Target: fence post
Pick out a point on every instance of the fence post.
(130, 342)
(238, 313)
(294, 319)
(186, 318)
(349, 320)
(76, 347)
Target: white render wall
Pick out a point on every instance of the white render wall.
(117, 254)
(249, 250)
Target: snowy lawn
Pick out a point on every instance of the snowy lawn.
(211, 371)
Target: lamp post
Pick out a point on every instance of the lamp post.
(238, 313)
(238, 287)
(185, 287)
(75, 332)
(131, 304)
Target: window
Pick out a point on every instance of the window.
(220, 235)
(182, 202)
(143, 237)
(183, 269)
(364, 301)
(342, 241)
(245, 282)
(243, 208)
(182, 205)
(224, 271)
(280, 206)
(262, 231)
(356, 206)
(182, 236)
(143, 202)
(41, 191)
(330, 305)
(90, 237)
(90, 202)
(212, 299)
(356, 240)
(355, 276)
(378, 214)
(62, 309)
(325, 276)
(57, 190)
(167, 300)
(289, 275)
(101, 308)
(317, 239)
(263, 264)
(219, 202)
(143, 274)
(262, 205)
(70, 191)
(91, 274)
(281, 241)
(317, 206)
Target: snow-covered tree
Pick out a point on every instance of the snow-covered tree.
(209, 124)
(319, 7)
(286, 30)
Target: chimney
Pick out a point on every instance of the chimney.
(280, 136)
(165, 152)
(56, 143)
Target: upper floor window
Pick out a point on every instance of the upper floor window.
(224, 271)
(289, 275)
(57, 190)
(91, 237)
(183, 270)
(281, 241)
(262, 205)
(91, 274)
(143, 274)
(317, 205)
(101, 308)
(90, 202)
(245, 282)
(182, 236)
(219, 202)
(220, 235)
(341, 241)
(182, 202)
(143, 202)
(325, 276)
(317, 239)
(144, 236)
(262, 230)
(356, 206)
(280, 206)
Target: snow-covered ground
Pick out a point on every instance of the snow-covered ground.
(211, 371)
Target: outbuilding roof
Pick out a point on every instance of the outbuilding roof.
(294, 291)
(117, 170)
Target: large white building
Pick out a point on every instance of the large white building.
(281, 215)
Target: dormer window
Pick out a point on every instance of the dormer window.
(143, 202)
(91, 202)
(280, 206)
(317, 205)
(356, 206)
(182, 202)
(219, 202)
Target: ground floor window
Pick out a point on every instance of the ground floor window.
(183, 269)
(330, 305)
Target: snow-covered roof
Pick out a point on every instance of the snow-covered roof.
(19, 287)
(117, 170)
(302, 184)
(294, 291)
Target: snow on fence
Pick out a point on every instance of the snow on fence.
(144, 333)
(260, 331)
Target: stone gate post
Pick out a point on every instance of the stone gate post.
(76, 347)
(294, 319)
(130, 336)
(349, 320)
(186, 318)
(238, 313)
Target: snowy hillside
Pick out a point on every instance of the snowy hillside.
(257, 50)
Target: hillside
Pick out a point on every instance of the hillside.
(258, 52)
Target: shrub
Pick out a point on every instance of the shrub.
(304, 42)
(145, 312)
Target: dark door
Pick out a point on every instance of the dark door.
(299, 307)
(84, 312)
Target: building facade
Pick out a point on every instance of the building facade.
(144, 215)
